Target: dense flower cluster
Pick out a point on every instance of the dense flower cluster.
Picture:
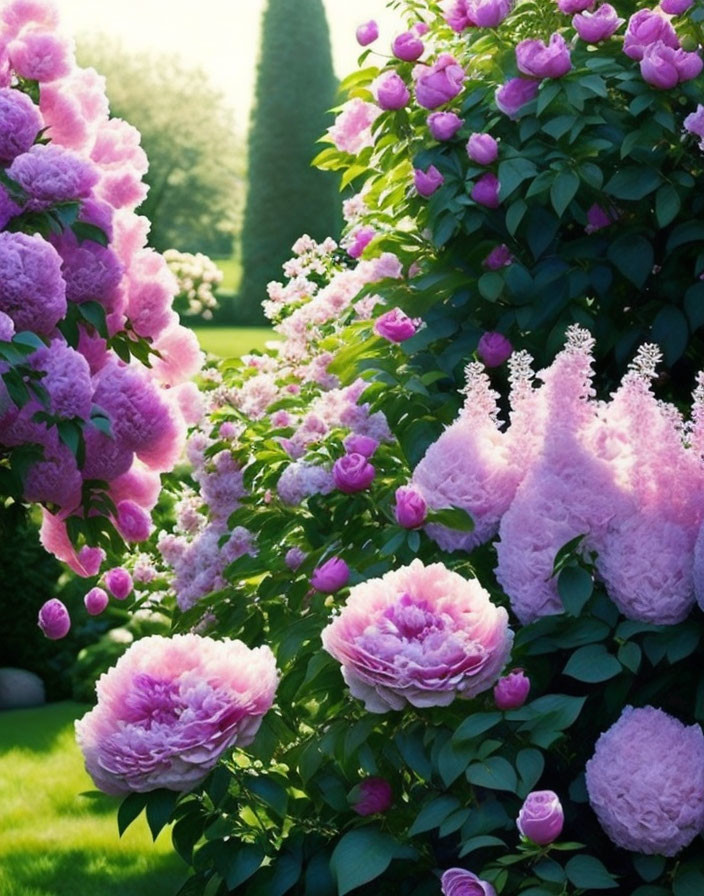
(198, 277)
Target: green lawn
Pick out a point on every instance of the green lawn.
(232, 273)
(231, 342)
(54, 842)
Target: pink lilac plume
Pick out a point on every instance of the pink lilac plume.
(646, 782)
(54, 620)
(371, 796)
(541, 817)
(32, 290)
(458, 882)
(421, 635)
(170, 708)
(96, 600)
(20, 122)
(352, 131)
(511, 690)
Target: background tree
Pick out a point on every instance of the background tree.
(285, 196)
(196, 158)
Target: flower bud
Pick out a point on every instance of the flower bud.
(396, 326)
(458, 882)
(486, 191)
(371, 796)
(390, 91)
(444, 125)
(541, 817)
(367, 33)
(408, 47)
(352, 473)
(482, 149)
(511, 690)
(494, 349)
(331, 576)
(91, 559)
(118, 582)
(411, 509)
(427, 182)
(95, 601)
(133, 522)
(359, 444)
(294, 558)
(54, 620)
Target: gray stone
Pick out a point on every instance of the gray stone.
(19, 689)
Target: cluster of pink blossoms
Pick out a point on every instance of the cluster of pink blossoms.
(626, 475)
(65, 159)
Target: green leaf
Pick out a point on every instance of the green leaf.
(592, 664)
(242, 865)
(84, 231)
(514, 215)
(362, 855)
(671, 333)
(490, 286)
(687, 232)
(649, 867)
(453, 518)
(633, 257)
(530, 765)
(129, 809)
(694, 305)
(433, 815)
(589, 873)
(667, 205)
(563, 190)
(495, 773)
(630, 655)
(160, 806)
(575, 586)
(512, 173)
(474, 725)
(634, 182)
(269, 792)
(689, 882)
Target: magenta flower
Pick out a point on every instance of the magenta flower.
(514, 94)
(396, 325)
(571, 6)
(407, 46)
(511, 690)
(499, 257)
(444, 125)
(294, 558)
(118, 582)
(96, 601)
(170, 708)
(359, 239)
(597, 219)
(411, 509)
(594, 27)
(458, 882)
(494, 349)
(427, 182)
(421, 635)
(420, 28)
(538, 60)
(664, 68)
(367, 33)
(486, 191)
(371, 796)
(488, 13)
(675, 7)
(647, 27)
(646, 782)
(359, 444)
(390, 91)
(482, 149)
(330, 576)
(133, 522)
(352, 473)
(439, 83)
(541, 818)
(40, 56)
(54, 620)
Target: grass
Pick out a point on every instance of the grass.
(56, 842)
(232, 271)
(232, 342)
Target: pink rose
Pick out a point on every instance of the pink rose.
(439, 83)
(499, 257)
(571, 6)
(594, 27)
(371, 796)
(514, 94)
(664, 68)
(538, 60)
(511, 690)
(408, 47)
(444, 125)
(390, 91)
(541, 817)
(54, 620)
(494, 349)
(396, 325)
(367, 33)
(411, 509)
(646, 27)
(482, 149)
(118, 582)
(358, 444)
(486, 191)
(331, 576)
(675, 7)
(352, 473)
(427, 182)
(458, 882)
(95, 601)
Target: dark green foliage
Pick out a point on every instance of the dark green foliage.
(286, 197)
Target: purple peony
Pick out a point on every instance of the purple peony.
(489, 13)
(494, 349)
(458, 882)
(367, 33)
(499, 257)
(411, 509)
(647, 27)
(54, 620)
(32, 290)
(118, 582)
(675, 7)
(664, 68)
(594, 27)
(482, 149)
(330, 576)
(541, 818)
(421, 635)
(539, 60)
(352, 473)
(96, 601)
(20, 122)
(390, 91)
(408, 47)
(294, 558)
(486, 191)
(396, 325)
(427, 182)
(371, 796)
(514, 94)
(511, 690)
(571, 6)
(646, 782)
(439, 83)
(170, 708)
(359, 444)
(444, 125)
(51, 174)
(133, 522)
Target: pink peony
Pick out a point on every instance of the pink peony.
(390, 91)
(20, 122)
(427, 182)
(647, 27)
(514, 94)
(170, 708)
(96, 601)
(359, 444)
(511, 690)
(367, 33)
(133, 522)
(41, 56)
(421, 635)
(665, 68)
(407, 46)
(91, 559)
(371, 796)
(118, 582)
(646, 782)
(352, 473)
(352, 131)
(482, 149)
(437, 84)
(486, 191)
(539, 60)
(458, 882)
(396, 325)
(494, 349)
(444, 125)
(541, 817)
(358, 240)
(594, 27)
(489, 13)
(54, 620)
(411, 509)
(32, 290)
(330, 576)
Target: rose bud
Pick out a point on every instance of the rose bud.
(54, 620)
(499, 257)
(118, 582)
(359, 444)
(486, 191)
(352, 473)
(458, 882)
(444, 125)
(408, 47)
(420, 28)
(133, 522)
(427, 182)
(411, 509)
(95, 601)
(482, 149)
(539, 60)
(390, 91)
(494, 349)
(367, 33)
(294, 558)
(331, 576)
(371, 796)
(511, 690)
(514, 94)
(541, 817)
(396, 326)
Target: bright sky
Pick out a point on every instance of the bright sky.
(219, 36)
